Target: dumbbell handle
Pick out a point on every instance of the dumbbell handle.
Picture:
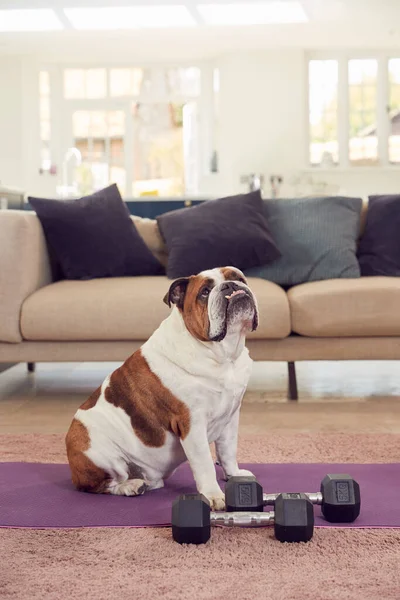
(242, 519)
(314, 497)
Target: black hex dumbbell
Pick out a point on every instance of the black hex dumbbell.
(339, 497)
(293, 519)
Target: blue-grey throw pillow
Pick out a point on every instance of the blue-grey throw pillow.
(228, 231)
(379, 247)
(94, 236)
(317, 239)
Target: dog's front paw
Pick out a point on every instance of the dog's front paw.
(216, 500)
(244, 473)
(239, 473)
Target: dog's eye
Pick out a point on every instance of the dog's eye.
(205, 292)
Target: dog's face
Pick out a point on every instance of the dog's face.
(215, 303)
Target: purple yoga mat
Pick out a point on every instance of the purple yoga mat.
(39, 495)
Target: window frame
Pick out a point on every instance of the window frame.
(382, 120)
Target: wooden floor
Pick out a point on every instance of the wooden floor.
(334, 396)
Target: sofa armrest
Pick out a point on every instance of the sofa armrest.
(24, 267)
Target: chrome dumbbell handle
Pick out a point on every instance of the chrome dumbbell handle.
(242, 519)
(314, 497)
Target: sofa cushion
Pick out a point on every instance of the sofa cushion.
(379, 248)
(349, 307)
(273, 306)
(94, 236)
(149, 231)
(317, 238)
(229, 231)
(128, 308)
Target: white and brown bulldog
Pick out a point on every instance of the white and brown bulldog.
(178, 393)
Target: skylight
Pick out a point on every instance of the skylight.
(129, 17)
(41, 19)
(153, 16)
(252, 13)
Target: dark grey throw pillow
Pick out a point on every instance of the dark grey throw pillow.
(317, 239)
(94, 236)
(229, 231)
(379, 247)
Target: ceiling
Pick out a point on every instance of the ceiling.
(332, 24)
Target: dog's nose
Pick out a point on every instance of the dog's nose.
(229, 285)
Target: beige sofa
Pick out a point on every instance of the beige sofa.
(107, 319)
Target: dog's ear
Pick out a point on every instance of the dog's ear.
(255, 321)
(176, 292)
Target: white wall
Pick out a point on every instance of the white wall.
(262, 126)
(19, 127)
(11, 134)
(262, 108)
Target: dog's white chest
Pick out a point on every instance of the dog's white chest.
(223, 404)
(210, 381)
(234, 382)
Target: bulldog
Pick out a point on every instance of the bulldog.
(181, 391)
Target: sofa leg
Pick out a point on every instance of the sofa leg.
(31, 367)
(292, 382)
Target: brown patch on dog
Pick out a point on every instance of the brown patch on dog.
(152, 408)
(86, 476)
(91, 401)
(185, 294)
(195, 309)
(232, 275)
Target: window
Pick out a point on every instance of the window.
(354, 110)
(158, 163)
(44, 118)
(144, 136)
(131, 125)
(85, 83)
(363, 137)
(323, 112)
(183, 82)
(394, 110)
(215, 121)
(126, 82)
(99, 136)
(173, 82)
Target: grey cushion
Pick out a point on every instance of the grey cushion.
(317, 239)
